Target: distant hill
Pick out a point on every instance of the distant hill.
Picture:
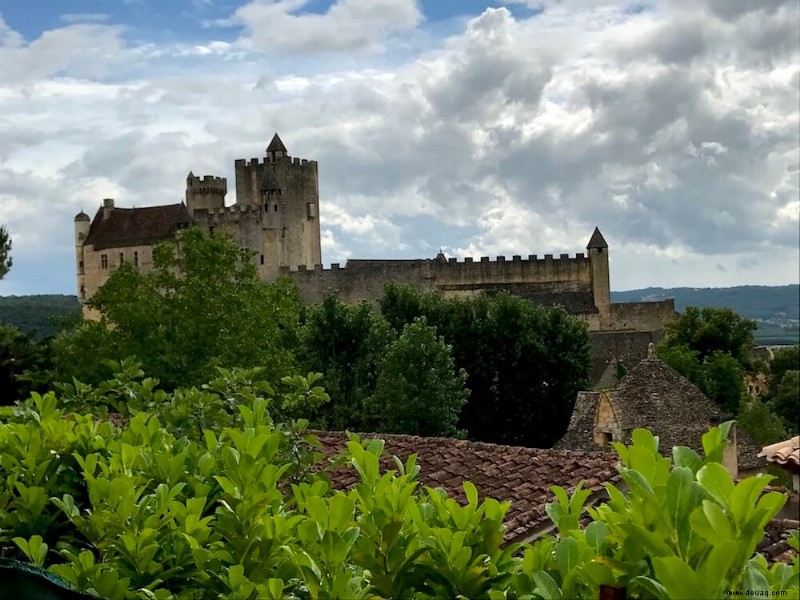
(42, 315)
(776, 309)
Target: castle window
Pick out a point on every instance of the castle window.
(211, 231)
(262, 259)
(275, 207)
(121, 258)
(599, 250)
(80, 267)
(81, 237)
(104, 261)
(136, 259)
(83, 292)
(311, 210)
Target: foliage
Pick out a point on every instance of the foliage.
(5, 251)
(42, 315)
(202, 306)
(711, 348)
(783, 396)
(24, 365)
(347, 344)
(710, 330)
(684, 529)
(145, 511)
(760, 422)
(525, 364)
(419, 390)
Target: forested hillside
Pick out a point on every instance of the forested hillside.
(776, 309)
(40, 314)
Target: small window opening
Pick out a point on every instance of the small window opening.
(80, 267)
(136, 259)
(83, 292)
(599, 250)
(275, 207)
(121, 258)
(262, 259)
(104, 261)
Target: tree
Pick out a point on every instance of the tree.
(5, 251)
(347, 344)
(24, 365)
(708, 330)
(786, 400)
(420, 391)
(525, 364)
(712, 348)
(202, 306)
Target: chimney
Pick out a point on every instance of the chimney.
(108, 206)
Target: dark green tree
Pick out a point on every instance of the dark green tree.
(711, 347)
(525, 364)
(785, 401)
(347, 344)
(419, 391)
(5, 251)
(202, 306)
(25, 365)
(709, 330)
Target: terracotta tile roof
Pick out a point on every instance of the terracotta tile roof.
(785, 453)
(122, 227)
(520, 475)
(653, 395)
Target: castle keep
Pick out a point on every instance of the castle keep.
(276, 215)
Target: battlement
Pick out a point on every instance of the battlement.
(284, 160)
(208, 183)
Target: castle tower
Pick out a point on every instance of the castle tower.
(601, 287)
(284, 192)
(206, 194)
(82, 224)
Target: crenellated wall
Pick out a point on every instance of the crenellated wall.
(565, 280)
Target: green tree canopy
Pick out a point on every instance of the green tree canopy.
(525, 364)
(420, 391)
(710, 330)
(201, 306)
(347, 344)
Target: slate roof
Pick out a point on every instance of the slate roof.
(276, 145)
(597, 240)
(654, 396)
(124, 227)
(785, 453)
(522, 476)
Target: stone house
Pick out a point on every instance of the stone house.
(653, 395)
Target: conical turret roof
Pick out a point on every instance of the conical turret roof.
(276, 145)
(82, 216)
(597, 240)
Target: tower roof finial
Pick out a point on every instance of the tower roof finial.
(597, 240)
(276, 145)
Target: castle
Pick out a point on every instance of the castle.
(276, 215)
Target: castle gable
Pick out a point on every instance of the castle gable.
(123, 227)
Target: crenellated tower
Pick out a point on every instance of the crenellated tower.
(206, 194)
(284, 191)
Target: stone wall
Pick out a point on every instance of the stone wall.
(546, 280)
(628, 346)
(641, 316)
(606, 425)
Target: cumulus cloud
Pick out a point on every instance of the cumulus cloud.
(284, 25)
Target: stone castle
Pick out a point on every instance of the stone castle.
(276, 215)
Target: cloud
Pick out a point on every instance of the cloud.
(673, 128)
(85, 18)
(347, 25)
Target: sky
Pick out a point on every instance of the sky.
(481, 128)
